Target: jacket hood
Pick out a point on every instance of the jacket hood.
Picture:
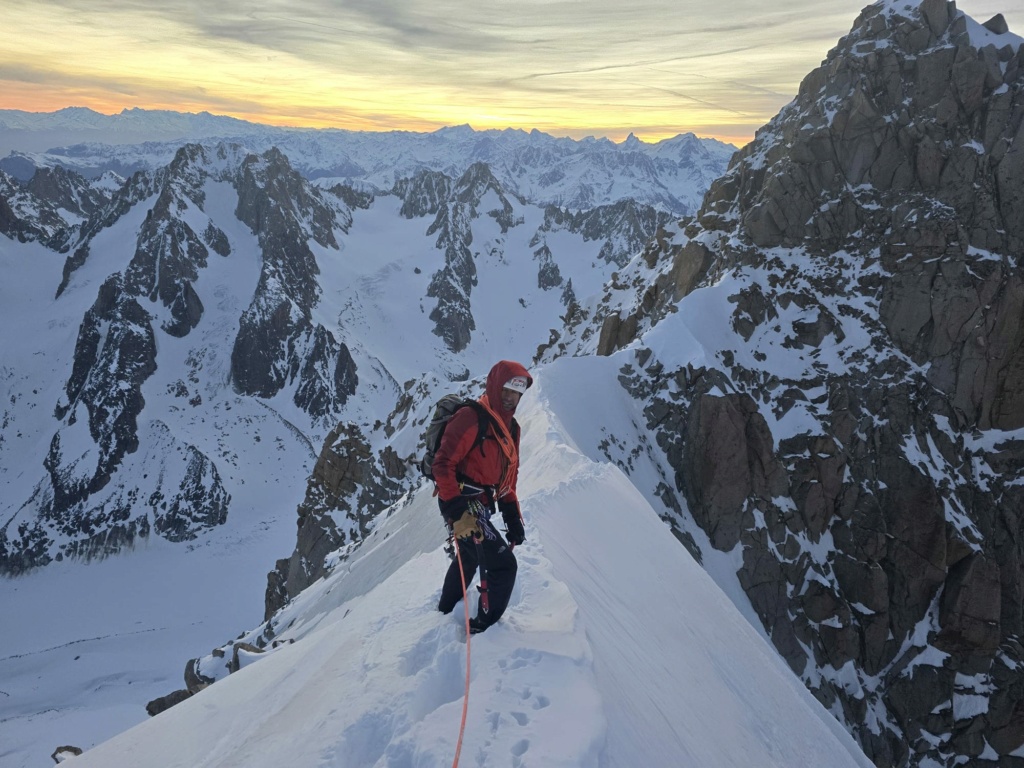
(502, 371)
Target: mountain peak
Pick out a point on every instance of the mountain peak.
(455, 131)
(631, 141)
(904, 104)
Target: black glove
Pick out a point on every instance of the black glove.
(513, 522)
(452, 510)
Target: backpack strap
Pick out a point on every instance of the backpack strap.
(483, 421)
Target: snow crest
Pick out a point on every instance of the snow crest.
(614, 652)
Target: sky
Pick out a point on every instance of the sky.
(567, 67)
(368, 673)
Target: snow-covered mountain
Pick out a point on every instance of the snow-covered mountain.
(225, 289)
(39, 131)
(670, 175)
(814, 384)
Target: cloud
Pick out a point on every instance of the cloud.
(578, 64)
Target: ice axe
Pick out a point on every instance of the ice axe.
(481, 559)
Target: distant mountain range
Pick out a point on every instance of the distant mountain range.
(670, 175)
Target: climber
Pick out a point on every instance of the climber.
(474, 476)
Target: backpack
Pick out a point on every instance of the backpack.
(444, 409)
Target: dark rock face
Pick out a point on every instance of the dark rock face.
(729, 456)
(423, 194)
(348, 488)
(114, 355)
(27, 217)
(163, 703)
(79, 512)
(453, 225)
(169, 254)
(925, 119)
(278, 343)
(873, 233)
(548, 274)
(964, 317)
(66, 190)
(195, 503)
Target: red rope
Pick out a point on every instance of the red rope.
(465, 700)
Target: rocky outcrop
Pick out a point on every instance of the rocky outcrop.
(423, 194)
(60, 754)
(665, 273)
(49, 207)
(548, 274)
(350, 485)
(78, 511)
(278, 343)
(729, 458)
(114, 355)
(189, 496)
(66, 190)
(163, 703)
(962, 315)
(852, 441)
(170, 254)
(26, 217)
(623, 228)
(453, 284)
(912, 112)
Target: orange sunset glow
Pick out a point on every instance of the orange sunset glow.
(655, 69)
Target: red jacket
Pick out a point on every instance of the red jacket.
(484, 464)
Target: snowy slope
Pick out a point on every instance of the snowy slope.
(616, 651)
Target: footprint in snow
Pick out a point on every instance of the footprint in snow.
(422, 654)
(521, 657)
(518, 750)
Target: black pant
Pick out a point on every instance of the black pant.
(501, 576)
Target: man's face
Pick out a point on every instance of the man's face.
(510, 399)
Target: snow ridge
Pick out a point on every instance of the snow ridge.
(366, 673)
